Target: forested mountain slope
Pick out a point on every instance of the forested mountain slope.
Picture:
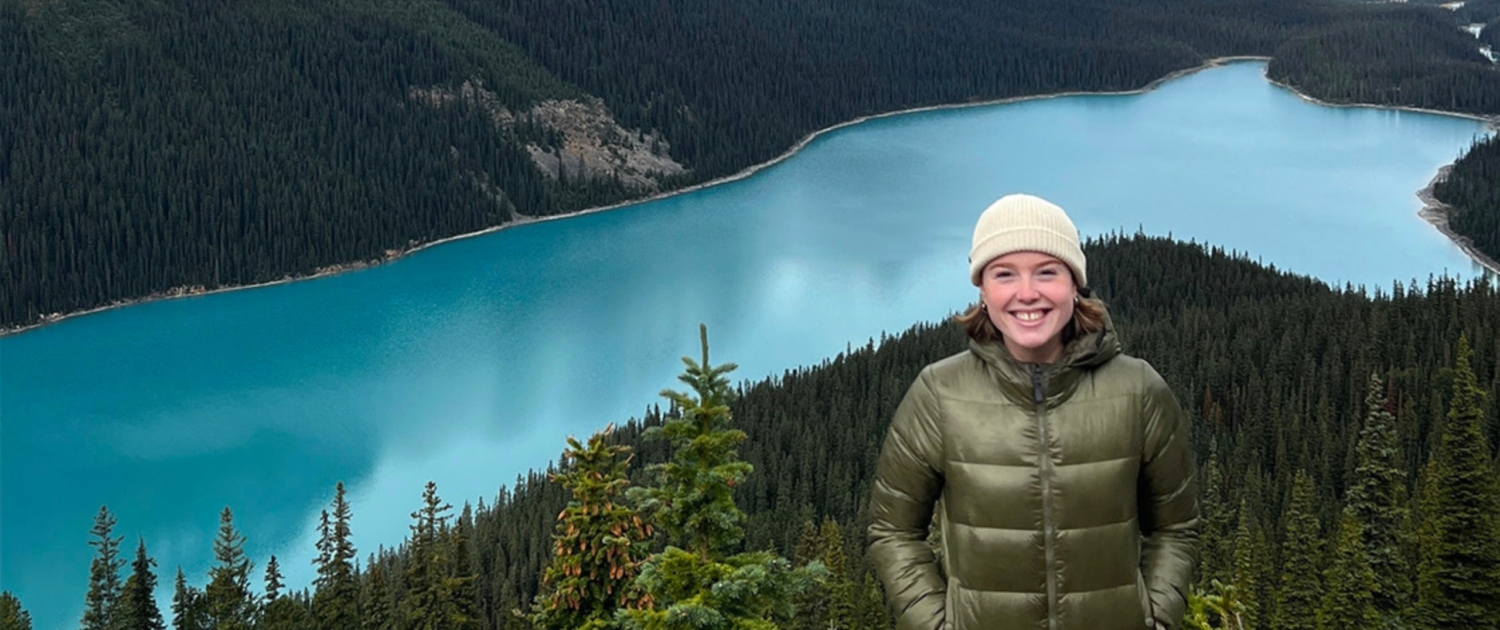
(160, 145)
(153, 145)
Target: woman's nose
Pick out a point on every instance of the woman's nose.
(1027, 291)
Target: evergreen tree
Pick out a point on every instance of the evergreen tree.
(189, 609)
(1408, 544)
(431, 602)
(1349, 601)
(279, 611)
(872, 610)
(138, 609)
(1299, 593)
(1215, 553)
(274, 580)
(695, 583)
(379, 605)
(1459, 584)
(1424, 528)
(807, 543)
(599, 542)
(336, 597)
(839, 589)
(462, 577)
(101, 603)
(12, 616)
(1376, 500)
(1249, 561)
(227, 598)
(812, 604)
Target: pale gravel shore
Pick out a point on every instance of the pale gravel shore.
(1438, 213)
(1432, 212)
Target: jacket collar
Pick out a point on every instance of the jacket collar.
(1059, 379)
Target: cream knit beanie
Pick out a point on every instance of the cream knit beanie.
(1023, 223)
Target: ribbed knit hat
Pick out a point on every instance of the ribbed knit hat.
(1023, 223)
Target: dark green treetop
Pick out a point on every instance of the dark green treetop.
(1297, 597)
(696, 583)
(1349, 599)
(1458, 585)
(138, 609)
(227, 598)
(12, 616)
(189, 609)
(433, 597)
(336, 602)
(1376, 499)
(101, 603)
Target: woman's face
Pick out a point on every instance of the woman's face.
(1029, 298)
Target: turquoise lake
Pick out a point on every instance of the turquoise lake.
(468, 363)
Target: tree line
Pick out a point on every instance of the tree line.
(1472, 188)
(1394, 55)
(143, 155)
(1346, 439)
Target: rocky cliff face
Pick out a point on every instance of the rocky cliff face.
(595, 146)
(588, 142)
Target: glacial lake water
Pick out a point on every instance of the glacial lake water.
(468, 363)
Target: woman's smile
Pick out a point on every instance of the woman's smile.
(1030, 317)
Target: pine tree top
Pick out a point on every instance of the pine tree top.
(699, 584)
(693, 501)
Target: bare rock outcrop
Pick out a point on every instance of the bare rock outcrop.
(590, 144)
(595, 146)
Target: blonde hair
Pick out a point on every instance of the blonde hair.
(1088, 317)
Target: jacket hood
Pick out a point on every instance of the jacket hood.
(1079, 359)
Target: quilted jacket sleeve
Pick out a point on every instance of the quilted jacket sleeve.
(908, 480)
(1169, 504)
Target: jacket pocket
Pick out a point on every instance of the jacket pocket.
(1147, 616)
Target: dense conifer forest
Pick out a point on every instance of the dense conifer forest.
(1473, 189)
(1394, 55)
(152, 146)
(1347, 460)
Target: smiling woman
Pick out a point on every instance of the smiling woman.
(1032, 301)
(1051, 458)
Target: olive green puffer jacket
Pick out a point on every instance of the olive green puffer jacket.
(1067, 494)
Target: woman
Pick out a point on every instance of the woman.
(1060, 468)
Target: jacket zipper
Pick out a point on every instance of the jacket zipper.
(1039, 389)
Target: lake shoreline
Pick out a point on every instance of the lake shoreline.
(1438, 214)
(1433, 211)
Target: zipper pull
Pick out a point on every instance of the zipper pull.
(1039, 393)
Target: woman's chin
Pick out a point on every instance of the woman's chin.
(1031, 348)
